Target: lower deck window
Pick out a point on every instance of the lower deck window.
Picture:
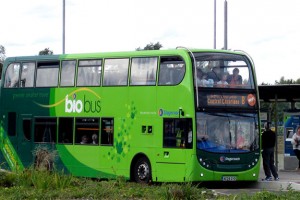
(27, 129)
(87, 131)
(45, 130)
(65, 130)
(107, 131)
(178, 133)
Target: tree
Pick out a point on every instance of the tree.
(287, 81)
(150, 46)
(2, 58)
(46, 51)
(2, 53)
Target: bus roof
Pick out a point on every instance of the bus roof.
(167, 52)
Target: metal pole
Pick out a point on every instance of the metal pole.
(215, 24)
(276, 133)
(225, 24)
(64, 19)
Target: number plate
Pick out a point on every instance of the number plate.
(228, 178)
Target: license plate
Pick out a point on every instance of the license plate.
(228, 178)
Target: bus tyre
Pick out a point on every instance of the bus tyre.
(142, 171)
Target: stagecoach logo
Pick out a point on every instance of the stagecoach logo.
(223, 159)
(251, 100)
(162, 112)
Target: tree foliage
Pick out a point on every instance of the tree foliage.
(150, 46)
(46, 51)
(2, 58)
(2, 53)
(287, 81)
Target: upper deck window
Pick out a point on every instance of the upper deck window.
(47, 74)
(12, 76)
(67, 76)
(172, 70)
(115, 72)
(27, 74)
(89, 73)
(143, 71)
(223, 71)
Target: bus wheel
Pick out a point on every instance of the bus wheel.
(142, 171)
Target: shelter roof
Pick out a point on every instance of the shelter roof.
(283, 93)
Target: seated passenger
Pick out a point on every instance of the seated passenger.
(235, 78)
(84, 140)
(241, 142)
(223, 82)
(214, 74)
(203, 82)
(95, 138)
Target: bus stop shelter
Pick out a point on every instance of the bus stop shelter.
(276, 94)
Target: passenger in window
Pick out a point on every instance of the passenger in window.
(84, 140)
(95, 138)
(241, 141)
(235, 79)
(179, 142)
(203, 82)
(215, 74)
(223, 83)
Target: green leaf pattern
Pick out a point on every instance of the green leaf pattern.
(123, 136)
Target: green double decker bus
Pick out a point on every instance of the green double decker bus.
(164, 115)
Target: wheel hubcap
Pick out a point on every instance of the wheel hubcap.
(143, 171)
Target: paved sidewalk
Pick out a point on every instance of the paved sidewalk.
(287, 180)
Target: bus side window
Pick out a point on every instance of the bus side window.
(143, 71)
(67, 75)
(178, 133)
(45, 130)
(65, 130)
(87, 131)
(12, 76)
(27, 129)
(169, 133)
(107, 131)
(115, 72)
(89, 73)
(172, 70)
(47, 74)
(27, 74)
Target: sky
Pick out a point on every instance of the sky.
(268, 30)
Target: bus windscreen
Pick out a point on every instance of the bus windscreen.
(221, 70)
(227, 132)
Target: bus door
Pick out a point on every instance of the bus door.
(24, 129)
(177, 141)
